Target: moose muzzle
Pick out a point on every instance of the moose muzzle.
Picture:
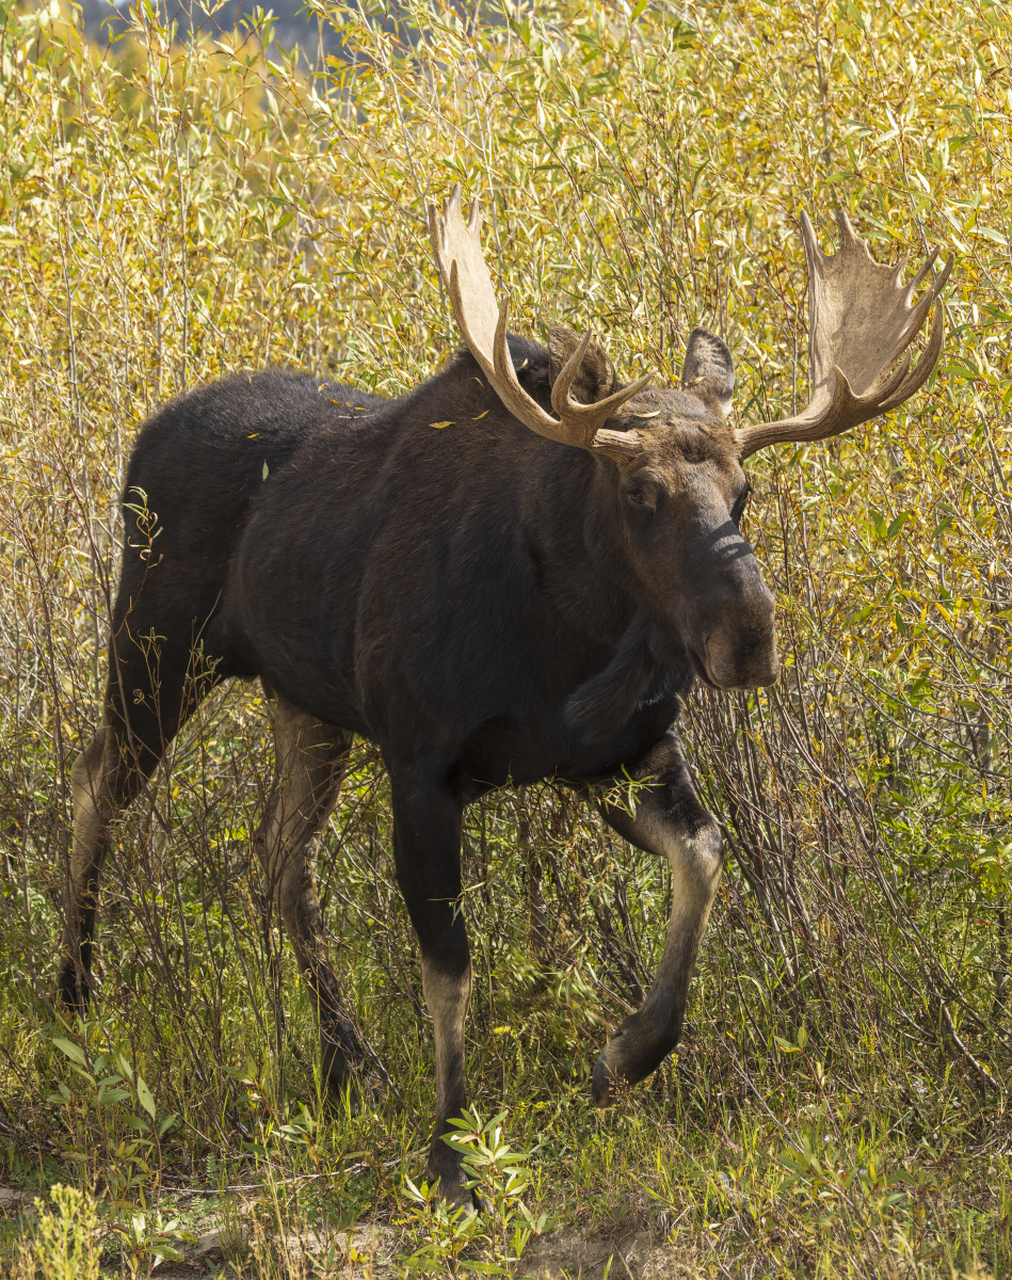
(739, 645)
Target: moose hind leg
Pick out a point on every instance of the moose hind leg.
(87, 857)
(154, 685)
(311, 759)
(105, 777)
(669, 820)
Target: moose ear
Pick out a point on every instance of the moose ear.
(709, 370)
(596, 377)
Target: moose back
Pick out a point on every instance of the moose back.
(528, 592)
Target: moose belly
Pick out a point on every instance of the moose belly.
(499, 753)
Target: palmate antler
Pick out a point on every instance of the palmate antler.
(483, 325)
(860, 322)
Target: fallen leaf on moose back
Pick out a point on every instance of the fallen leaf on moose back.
(440, 424)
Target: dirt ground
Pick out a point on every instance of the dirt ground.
(626, 1252)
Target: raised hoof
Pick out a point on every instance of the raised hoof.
(444, 1172)
(605, 1087)
(626, 1060)
(351, 1081)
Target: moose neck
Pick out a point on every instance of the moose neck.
(571, 539)
(576, 538)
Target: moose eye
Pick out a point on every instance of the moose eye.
(635, 496)
(738, 510)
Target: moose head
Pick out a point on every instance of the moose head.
(669, 461)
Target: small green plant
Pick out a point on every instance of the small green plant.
(66, 1243)
(109, 1081)
(132, 1169)
(448, 1233)
(503, 1225)
(147, 1239)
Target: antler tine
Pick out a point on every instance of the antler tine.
(564, 382)
(861, 320)
(483, 324)
(915, 378)
(901, 266)
(514, 397)
(922, 274)
(942, 279)
(848, 236)
(592, 416)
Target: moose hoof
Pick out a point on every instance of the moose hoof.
(354, 1093)
(458, 1196)
(74, 989)
(350, 1081)
(447, 1184)
(627, 1059)
(605, 1084)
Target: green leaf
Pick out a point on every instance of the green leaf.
(165, 1253)
(144, 1097)
(168, 1122)
(897, 524)
(110, 1096)
(73, 1051)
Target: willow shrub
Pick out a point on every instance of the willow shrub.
(174, 212)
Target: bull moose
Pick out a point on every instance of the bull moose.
(529, 593)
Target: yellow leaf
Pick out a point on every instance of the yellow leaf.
(440, 424)
(481, 415)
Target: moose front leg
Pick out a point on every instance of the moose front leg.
(669, 820)
(427, 832)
